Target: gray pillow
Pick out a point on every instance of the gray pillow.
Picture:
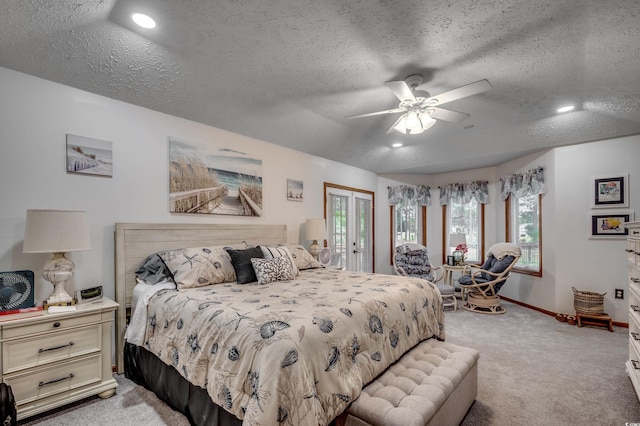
(152, 270)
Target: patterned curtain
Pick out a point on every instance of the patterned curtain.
(462, 193)
(408, 194)
(523, 184)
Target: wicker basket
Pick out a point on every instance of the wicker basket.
(588, 302)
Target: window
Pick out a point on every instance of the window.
(467, 219)
(463, 213)
(522, 194)
(523, 228)
(405, 223)
(408, 215)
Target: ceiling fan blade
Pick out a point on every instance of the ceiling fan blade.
(448, 115)
(395, 123)
(401, 90)
(462, 92)
(369, 114)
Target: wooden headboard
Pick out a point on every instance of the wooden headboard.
(135, 241)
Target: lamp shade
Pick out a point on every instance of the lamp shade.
(316, 229)
(455, 239)
(56, 231)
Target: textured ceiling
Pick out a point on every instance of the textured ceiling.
(288, 72)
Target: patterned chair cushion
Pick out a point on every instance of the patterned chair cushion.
(414, 262)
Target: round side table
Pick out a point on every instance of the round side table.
(448, 276)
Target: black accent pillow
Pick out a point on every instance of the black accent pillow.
(241, 260)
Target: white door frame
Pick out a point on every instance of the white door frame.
(352, 252)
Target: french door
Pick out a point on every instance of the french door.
(349, 214)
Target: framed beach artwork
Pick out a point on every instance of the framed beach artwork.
(205, 178)
(89, 156)
(294, 190)
(609, 225)
(610, 191)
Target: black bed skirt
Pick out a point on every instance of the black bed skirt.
(145, 369)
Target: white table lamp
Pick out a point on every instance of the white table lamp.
(315, 229)
(57, 232)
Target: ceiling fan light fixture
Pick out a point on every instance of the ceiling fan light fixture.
(414, 123)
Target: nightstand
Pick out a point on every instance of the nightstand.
(52, 359)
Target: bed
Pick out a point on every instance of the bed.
(293, 351)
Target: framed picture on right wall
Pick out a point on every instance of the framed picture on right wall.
(610, 191)
(609, 224)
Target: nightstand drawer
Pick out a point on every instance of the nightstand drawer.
(39, 350)
(50, 323)
(63, 377)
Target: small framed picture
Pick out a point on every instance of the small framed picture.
(610, 191)
(609, 225)
(294, 190)
(89, 156)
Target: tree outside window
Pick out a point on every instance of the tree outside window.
(465, 219)
(524, 230)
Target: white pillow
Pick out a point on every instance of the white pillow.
(199, 266)
(302, 258)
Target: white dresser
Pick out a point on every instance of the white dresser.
(53, 359)
(633, 257)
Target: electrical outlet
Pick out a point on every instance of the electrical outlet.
(619, 293)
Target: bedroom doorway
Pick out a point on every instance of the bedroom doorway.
(349, 215)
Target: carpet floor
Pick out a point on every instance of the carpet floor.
(533, 370)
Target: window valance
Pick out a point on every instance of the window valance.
(409, 194)
(523, 184)
(462, 193)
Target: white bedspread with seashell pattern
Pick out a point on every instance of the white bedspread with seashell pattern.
(295, 352)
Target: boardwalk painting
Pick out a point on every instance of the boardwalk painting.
(208, 179)
(89, 156)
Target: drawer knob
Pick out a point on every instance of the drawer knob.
(56, 324)
(636, 364)
(636, 336)
(635, 308)
(56, 347)
(71, 376)
(635, 280)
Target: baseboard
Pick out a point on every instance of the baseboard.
(553, 314)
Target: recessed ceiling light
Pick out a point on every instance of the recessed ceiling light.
(143, 20)
(397, 145)
(566, 108)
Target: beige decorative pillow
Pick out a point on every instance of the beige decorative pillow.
(271, 270)
(199, 266)
(281, 251)
(302, 257)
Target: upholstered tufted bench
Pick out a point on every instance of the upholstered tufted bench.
(433, 384)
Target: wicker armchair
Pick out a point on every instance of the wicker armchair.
(412, 260)
(482, 283)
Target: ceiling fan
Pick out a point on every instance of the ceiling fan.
(420, 109)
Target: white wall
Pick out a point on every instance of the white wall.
(589, 264)
(36, 115)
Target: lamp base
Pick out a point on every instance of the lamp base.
(57, 271)
(315, 249)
